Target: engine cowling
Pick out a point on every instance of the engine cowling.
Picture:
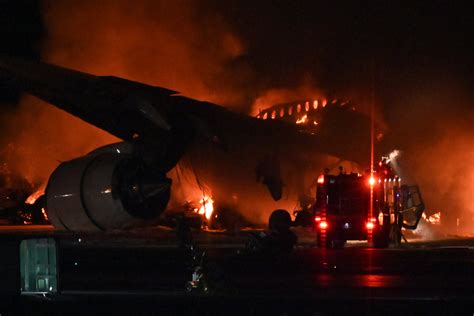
(105, 190)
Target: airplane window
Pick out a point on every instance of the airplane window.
(306, 106)
(290, 110)
(315, 104)
(265, 115)
(273, 114)
(298, 108)
(282, 112)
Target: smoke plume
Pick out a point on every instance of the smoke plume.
(432, 121)
(174, 44)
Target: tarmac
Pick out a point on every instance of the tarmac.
(144, 271)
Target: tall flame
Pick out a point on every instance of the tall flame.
(207, 207)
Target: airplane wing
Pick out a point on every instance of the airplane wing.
(127, 109)
(135, 111)
(116, 105)
(165, 125)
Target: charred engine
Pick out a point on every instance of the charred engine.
(112, 187)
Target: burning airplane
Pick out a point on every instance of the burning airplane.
(255, 164)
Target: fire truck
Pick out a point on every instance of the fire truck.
(373, 207)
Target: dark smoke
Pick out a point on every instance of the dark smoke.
(173, 44)
(176, 44)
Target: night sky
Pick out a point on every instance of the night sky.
(337, 42)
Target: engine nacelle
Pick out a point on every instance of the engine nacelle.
(103, 191)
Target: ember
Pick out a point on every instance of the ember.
(45, 215)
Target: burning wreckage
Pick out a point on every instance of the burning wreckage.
(20, 203)
(175, 148)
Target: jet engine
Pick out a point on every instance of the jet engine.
(105, 190)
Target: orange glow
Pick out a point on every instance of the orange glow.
(265, 115)
(290, 110)
(71, 45)
(371, 181)
(380, 218)
(434, 219)
(317, 219)
(298, 108)
(323, 225)
(315, 104)
(302, 120)
(321, 179)
(45, 215)
(306, 106)
(273, 114)
(33, 197)
(370, 225)
(282, 112)
(207, 207)
(324, 103)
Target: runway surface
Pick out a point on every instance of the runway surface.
(137, 274)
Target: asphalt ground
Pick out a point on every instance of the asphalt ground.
(145, 272)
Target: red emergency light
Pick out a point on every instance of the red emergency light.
(371, 223)
(321, 179)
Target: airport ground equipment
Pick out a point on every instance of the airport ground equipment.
(342, 210)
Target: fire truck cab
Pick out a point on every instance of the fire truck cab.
(343, 209)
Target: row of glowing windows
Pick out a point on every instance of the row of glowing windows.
(299, 108)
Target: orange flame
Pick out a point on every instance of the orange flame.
(302, 120)
(434, 219)
(34, 196)
(207, 207)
